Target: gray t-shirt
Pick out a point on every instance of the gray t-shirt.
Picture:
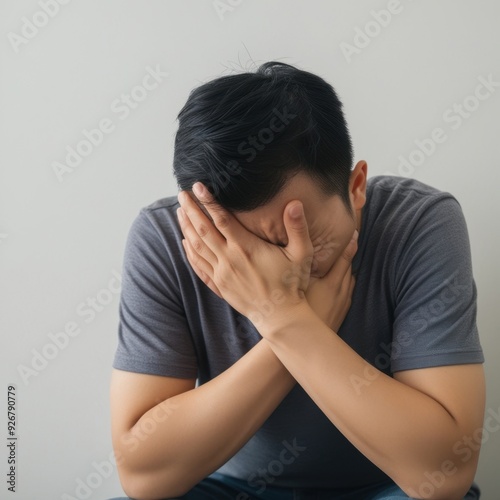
(413, 306)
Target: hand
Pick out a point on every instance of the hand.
(255, 277)
(330, 296)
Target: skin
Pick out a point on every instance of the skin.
(168, 434)
(328, 240)
(407, 425)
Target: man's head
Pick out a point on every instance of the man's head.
(255, 139)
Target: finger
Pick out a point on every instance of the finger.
(204, 229)
(197, 262)
(343, 263)
(197, 243)
(352, 247)
(194, 260)
(348, 283)
(229, 227)
(299, 245)
(352, 285)
(346, 295)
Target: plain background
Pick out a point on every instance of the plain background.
(62, 241)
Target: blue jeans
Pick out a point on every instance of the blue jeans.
(220, 487)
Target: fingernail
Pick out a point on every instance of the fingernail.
(180, 215)
(355, 235)
(198, 189)
(296, 211)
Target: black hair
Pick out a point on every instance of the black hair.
(244, 135)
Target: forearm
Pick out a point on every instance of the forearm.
(202, 428)
(400, 429)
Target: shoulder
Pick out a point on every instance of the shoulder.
(168, 204)
(396, 190)
(157, 221)
(154, 238)
(160, 211)
(408, 222)
(403, 204)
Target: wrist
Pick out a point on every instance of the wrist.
(281, 317)
(273, 364)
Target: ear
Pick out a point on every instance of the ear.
(357, 185)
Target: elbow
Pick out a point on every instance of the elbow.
(142, 478)
(141, 489)
(441, 485)
(154, 486)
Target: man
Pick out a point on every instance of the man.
(289, 328)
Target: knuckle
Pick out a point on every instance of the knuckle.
(197, 246)
(221, 221)
(203, 230)
(195, 260)
(350, 251)
(348, 255)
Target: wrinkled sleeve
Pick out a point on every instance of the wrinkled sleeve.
(153, 333)
(435, 293)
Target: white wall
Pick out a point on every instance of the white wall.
(61, 242)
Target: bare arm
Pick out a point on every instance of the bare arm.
(166, 447)
(410, 426)
(170, 435)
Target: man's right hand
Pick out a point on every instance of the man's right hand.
(330, 296)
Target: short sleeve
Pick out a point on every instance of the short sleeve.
(153, 334)
(435, 293)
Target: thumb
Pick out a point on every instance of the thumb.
(299, 244)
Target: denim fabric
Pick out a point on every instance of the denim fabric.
(220, 487)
